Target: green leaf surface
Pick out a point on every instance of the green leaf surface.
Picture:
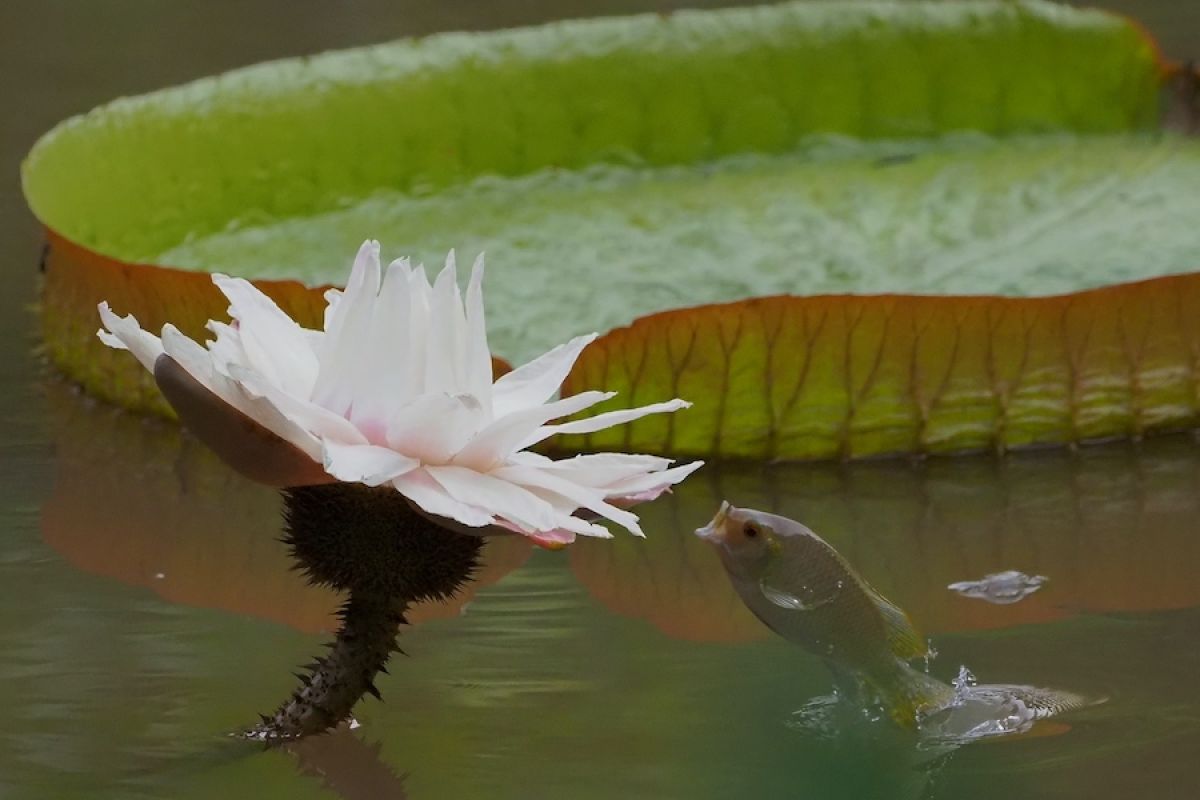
(614, 168)
(291, 138)
(1031, 216)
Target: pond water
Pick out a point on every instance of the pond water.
(147, 609)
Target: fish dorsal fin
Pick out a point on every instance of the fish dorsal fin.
(903, 638)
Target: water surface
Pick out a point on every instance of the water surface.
(147, 609)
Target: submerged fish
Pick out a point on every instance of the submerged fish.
(804, 590)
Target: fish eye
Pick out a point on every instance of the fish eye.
(750, 530)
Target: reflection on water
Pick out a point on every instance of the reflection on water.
(134, 499)
(1113, 529)
(120, 679)
(348, 766)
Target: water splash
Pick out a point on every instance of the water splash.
(979, 711)
(821, 717)
(973, 711)
(930, 654)
(1001, 588)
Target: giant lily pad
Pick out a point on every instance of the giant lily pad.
(614, 168)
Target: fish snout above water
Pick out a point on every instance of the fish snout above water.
(744, 538)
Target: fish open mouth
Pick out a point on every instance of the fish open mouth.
(712, 531)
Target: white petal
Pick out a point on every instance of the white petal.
(198, 363)
(557, 538)
(445, 355)
(498, 440)
(419, 293)
(244, 444)
(226, 348)
(598, 470)
(315, 419)
(643, 488)
(366, 463)
(500, 498)
(387, 354)
(602, 421)
(332, 298)
(274, 344)
(124, 333)
(529, 458)
(536, 382)
(479, 357)
(580, 496)
(419, 487)
(343, 371)
(434, 427)
(570, 522)
(622, 478)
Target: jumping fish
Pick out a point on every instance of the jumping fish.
(803, 589)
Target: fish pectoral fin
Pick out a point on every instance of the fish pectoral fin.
(783, 588)
(782, 599)
(903, 638)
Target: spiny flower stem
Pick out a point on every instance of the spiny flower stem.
(337, 680)
(372, 545)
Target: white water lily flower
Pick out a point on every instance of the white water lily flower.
(397, 390)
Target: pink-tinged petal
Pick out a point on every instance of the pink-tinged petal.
(571, 522)
(430, 497)
(273, 343)
(319, 421)
(547, 540)
(343, 374)
(579, 496)
(536, 382)
(552, 540)
(124, 333)
(602, 421)
(365, 463)
(559, 537)
(434, 427)
(631, 500)
(505, 435)
(643, 488)
(247, 446)
(479, 357)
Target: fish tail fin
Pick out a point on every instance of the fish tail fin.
(910, 694)
(1043, 702)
